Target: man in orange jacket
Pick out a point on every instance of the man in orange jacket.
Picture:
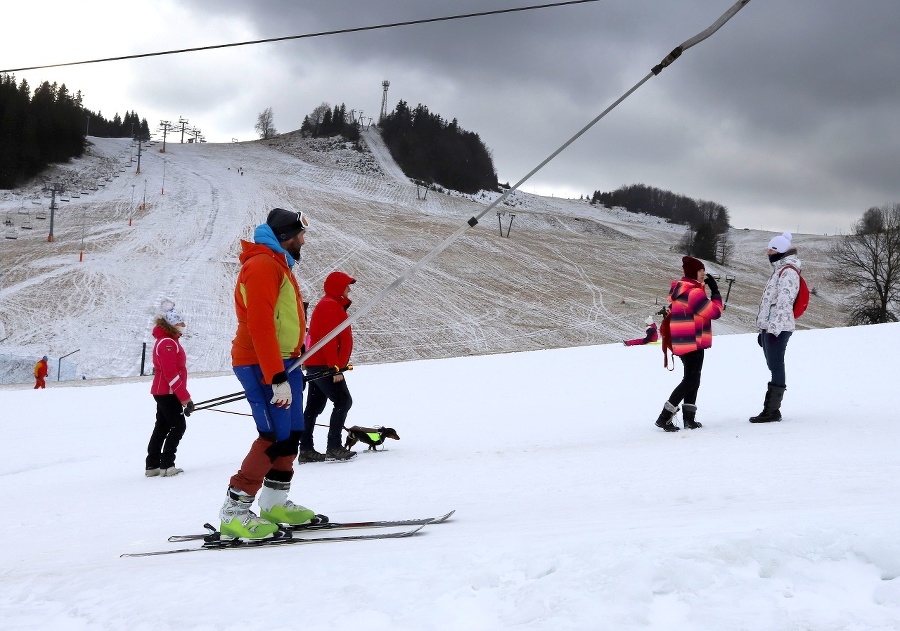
(269, 338)
(40, 373)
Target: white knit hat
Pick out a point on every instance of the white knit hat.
(781, 243)
(649, 320)
(172, 316)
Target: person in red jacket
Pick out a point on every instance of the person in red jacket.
(169, 389)
(40, 373)
(650, 335)
(335, 355)
(690, 324)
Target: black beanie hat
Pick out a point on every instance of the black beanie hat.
(286, 224)
(691, 266)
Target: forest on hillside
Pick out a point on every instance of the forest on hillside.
(430, 149)
(707, 222)
(49, 126)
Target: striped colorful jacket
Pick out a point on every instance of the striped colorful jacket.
(692, 315)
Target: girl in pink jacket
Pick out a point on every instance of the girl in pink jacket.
(170, 391)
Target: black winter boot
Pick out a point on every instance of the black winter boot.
(688, 412)
(665, 418)
(771, 406)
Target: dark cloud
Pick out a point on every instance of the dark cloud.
(788, 111)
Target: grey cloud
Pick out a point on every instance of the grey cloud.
(791, 105)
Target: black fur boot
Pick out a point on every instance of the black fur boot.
(771, 406)
(688, 412)
(665, 418)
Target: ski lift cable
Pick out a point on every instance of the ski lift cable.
(357, 29)
(666, 62)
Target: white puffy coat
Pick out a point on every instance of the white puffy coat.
(776, 308)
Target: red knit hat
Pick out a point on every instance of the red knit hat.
(691, 266)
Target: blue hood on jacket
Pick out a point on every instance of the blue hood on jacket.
(264, 235)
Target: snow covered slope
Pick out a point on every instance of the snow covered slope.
(573, 511)
(569, 274)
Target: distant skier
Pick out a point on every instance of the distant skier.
(775, 320)
(271, 325)
(169, 390)
(328, 314)
(40, 373)
(650, 335)
(691, 327)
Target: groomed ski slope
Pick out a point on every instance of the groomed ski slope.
(573, 511)
(568, 274)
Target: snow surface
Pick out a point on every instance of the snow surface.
(569, 274)
(573, 511)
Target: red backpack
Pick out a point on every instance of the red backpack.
(665, 334)
(802, 300)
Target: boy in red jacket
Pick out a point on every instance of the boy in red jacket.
(40, 373)
(328, 314)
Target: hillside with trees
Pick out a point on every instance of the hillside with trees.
(707, 222)
(325, 122)
(49, 126)
(434, 151)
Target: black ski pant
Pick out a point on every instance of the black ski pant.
(687, 390)
(167, 432)
(320, 392)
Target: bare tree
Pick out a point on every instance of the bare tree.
(868, 261)
(265, 124)
(724, 249)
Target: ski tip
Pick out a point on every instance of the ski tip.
(442, 518)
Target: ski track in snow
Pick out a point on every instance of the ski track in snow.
(569, 274)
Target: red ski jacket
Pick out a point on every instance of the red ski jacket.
(328, 314)
(169, 365)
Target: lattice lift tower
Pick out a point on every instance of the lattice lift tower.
(384, 84)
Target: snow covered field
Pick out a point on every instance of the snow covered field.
(569, 274)
(573, 511)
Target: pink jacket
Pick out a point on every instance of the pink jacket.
(651, 336)
(170, 366)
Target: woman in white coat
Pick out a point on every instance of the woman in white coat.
(775, 320)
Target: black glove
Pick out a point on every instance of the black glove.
(711, 282)
(188, 408)
(759, 339)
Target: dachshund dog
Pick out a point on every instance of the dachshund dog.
(372, 436)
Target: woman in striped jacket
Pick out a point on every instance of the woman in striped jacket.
(690, 324)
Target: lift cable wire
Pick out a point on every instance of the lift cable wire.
(669, 59)
(358, 29)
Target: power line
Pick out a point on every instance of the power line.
(357, 29)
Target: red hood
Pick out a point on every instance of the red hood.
(335, 286)
(159, 333)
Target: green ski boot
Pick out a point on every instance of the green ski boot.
(277, 508)
(239, 522)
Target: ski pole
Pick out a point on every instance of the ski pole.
(473, 221)
(237, 396)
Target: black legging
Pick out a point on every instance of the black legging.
(320, 392)
(687, 390)
(167, 432)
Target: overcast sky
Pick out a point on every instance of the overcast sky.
(788, 115)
